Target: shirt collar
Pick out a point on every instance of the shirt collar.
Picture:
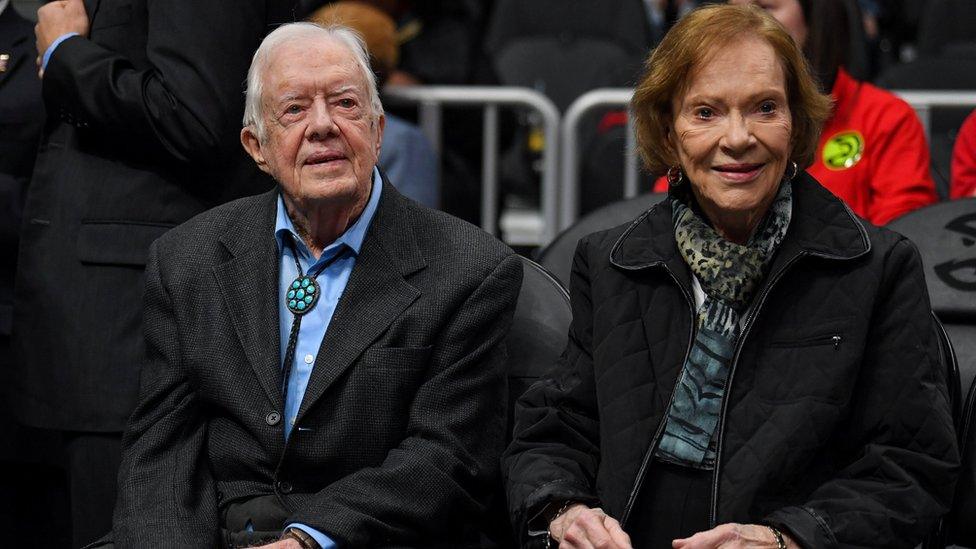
(353, 236)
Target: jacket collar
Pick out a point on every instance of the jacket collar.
(821, 225)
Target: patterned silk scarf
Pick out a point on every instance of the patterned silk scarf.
(729, 274)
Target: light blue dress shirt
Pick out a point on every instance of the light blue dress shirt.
(332, 281)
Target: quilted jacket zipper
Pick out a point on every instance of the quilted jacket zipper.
(639, 480)
(750, 320)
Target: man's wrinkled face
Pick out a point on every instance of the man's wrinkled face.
(322, 138)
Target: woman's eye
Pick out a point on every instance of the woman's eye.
(767, 107)
(704, 113)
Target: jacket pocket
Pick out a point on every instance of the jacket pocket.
(813, 362)
(106, 242)
(832, 339)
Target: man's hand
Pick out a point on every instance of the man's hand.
(288, 543)
(57, 18)
(581, 526)
(733, 536)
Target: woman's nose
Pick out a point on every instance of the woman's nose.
(738, 134)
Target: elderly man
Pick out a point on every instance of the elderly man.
(325, 360)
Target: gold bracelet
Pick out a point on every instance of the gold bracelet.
(780, 542)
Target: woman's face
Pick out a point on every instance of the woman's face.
(732, 130)
(787, 12)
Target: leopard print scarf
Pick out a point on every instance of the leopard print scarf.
(730, 274)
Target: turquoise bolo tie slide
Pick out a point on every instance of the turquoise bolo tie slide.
(302, 295)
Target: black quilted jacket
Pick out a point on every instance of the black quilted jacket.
(835, 426)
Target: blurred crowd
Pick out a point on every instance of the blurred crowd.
(116, 120)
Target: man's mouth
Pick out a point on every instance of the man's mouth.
(324, 158)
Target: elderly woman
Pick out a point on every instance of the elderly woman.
(749, 364)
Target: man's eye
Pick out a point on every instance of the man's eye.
(293, 109)
(347, 103)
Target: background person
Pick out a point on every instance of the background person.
(407, 157)
(737, 351)
(143, 101)
(963, 182)
(872, 151)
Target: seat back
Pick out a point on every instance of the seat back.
(945, 234)
(945, 22)
(539, 330)
(557, 256)
(961, 526)
(564, 48)
(537, 337)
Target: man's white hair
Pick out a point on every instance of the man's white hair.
(304, 32)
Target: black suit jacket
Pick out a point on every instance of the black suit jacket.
(398, 436)
(142, 134)
(21, 117)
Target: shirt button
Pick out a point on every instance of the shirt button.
(284, 487)
(309, 359)
(273, 418)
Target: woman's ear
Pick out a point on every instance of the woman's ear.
(670, 152)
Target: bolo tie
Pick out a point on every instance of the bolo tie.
(302, 296)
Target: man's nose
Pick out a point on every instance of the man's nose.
(738, 134)
(321, 123)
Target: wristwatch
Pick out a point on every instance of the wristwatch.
(302, 537)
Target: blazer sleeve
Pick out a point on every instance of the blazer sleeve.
(167, 495)
(904, 458)
(554, 454)
(187, 100)
(443, 472)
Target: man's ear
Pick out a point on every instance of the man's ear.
(253, 147)
(380, 125)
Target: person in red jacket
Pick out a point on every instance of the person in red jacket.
(872, 152)
(963, 182)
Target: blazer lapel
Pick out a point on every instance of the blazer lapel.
(377, 293)
(248, 284)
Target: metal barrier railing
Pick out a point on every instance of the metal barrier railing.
(569, 146)
(921, 101)
(430, 101)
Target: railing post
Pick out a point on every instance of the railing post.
(431, 99)
(631, 175)
(489, 170)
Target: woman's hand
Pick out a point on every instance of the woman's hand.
(731, 535)
(583, 527)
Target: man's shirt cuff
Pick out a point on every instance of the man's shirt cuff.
(55, 44)
(324, 541)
